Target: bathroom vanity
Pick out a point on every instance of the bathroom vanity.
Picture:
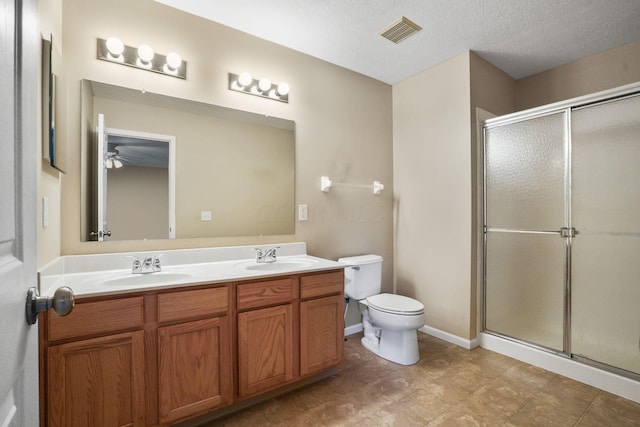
(204, 337)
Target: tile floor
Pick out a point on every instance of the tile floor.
(450, 386)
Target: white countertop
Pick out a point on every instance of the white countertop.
(108, 274)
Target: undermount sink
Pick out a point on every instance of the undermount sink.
(284, 265)
(159, 277)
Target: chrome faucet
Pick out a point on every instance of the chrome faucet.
(146, 265)
(266, 255)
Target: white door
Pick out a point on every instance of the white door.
(18, 212)
(101, 171)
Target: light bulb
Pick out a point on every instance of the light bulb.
(174, 60)
(283, 89)
(115, 48)
(245, 79)
(264, 84)
(145, 55)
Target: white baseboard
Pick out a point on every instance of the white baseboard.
(607, 381)
(353, 329)
(446, 336)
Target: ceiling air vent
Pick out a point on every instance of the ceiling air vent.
(400, 30)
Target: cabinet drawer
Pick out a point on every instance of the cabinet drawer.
(97, 318)
(322, 284)
(261, 294)
(191, 304)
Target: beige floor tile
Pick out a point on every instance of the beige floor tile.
(498, 397)
(556, 401)
(568, 391)
(421, 403)
(253, 416)
(449, 386)
(283, 408)
(316, 394)
(343, 412)
(541, 419)
(610, 410)
(464, 415)
(447, 391)
(529, 377)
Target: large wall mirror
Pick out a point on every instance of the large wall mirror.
(163, 167)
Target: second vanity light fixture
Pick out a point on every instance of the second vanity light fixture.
(143, 57)
(244, 82)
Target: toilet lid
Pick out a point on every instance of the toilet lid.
(395, 304)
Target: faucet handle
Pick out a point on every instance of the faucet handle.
(136, 267)
(260, 254)
(156, 262)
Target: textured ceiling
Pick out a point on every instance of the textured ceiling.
(522, 37)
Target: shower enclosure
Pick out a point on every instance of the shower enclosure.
(562, 229)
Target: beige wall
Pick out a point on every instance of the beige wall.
(432, 176)
(609, 69)
(343, 123)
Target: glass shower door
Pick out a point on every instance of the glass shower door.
(605, 270)
(525, 210)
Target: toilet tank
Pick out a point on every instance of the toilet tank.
(363, 277)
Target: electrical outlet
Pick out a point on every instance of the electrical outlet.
(205, 216)
(303, 213)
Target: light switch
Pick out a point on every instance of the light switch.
(45, 212)
(205, 216)
(303, 213)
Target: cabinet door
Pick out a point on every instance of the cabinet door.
(321, 333)
(265, 349)
(97, 382)
(194, 373)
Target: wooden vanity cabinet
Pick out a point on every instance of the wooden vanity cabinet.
(195, 372)
(165, 356)
(266, 337)
(321, 322)
(96, 380)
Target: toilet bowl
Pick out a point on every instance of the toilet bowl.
(389, 321)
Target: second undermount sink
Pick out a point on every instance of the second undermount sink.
(157, 278)
(279, 265)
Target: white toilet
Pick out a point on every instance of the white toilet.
(389, 321)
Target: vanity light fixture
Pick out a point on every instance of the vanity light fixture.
(244, 82)
(143, 57)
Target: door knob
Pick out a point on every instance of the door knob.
(62, 303)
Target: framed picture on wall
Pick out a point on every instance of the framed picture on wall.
(49, 143)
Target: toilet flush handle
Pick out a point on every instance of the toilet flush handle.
(355, 267)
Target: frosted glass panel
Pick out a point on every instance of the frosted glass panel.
(605, 297)
(525, 287)
(606, 252)
(525, 174)
(606, 167)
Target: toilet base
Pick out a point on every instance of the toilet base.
(400, 347)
